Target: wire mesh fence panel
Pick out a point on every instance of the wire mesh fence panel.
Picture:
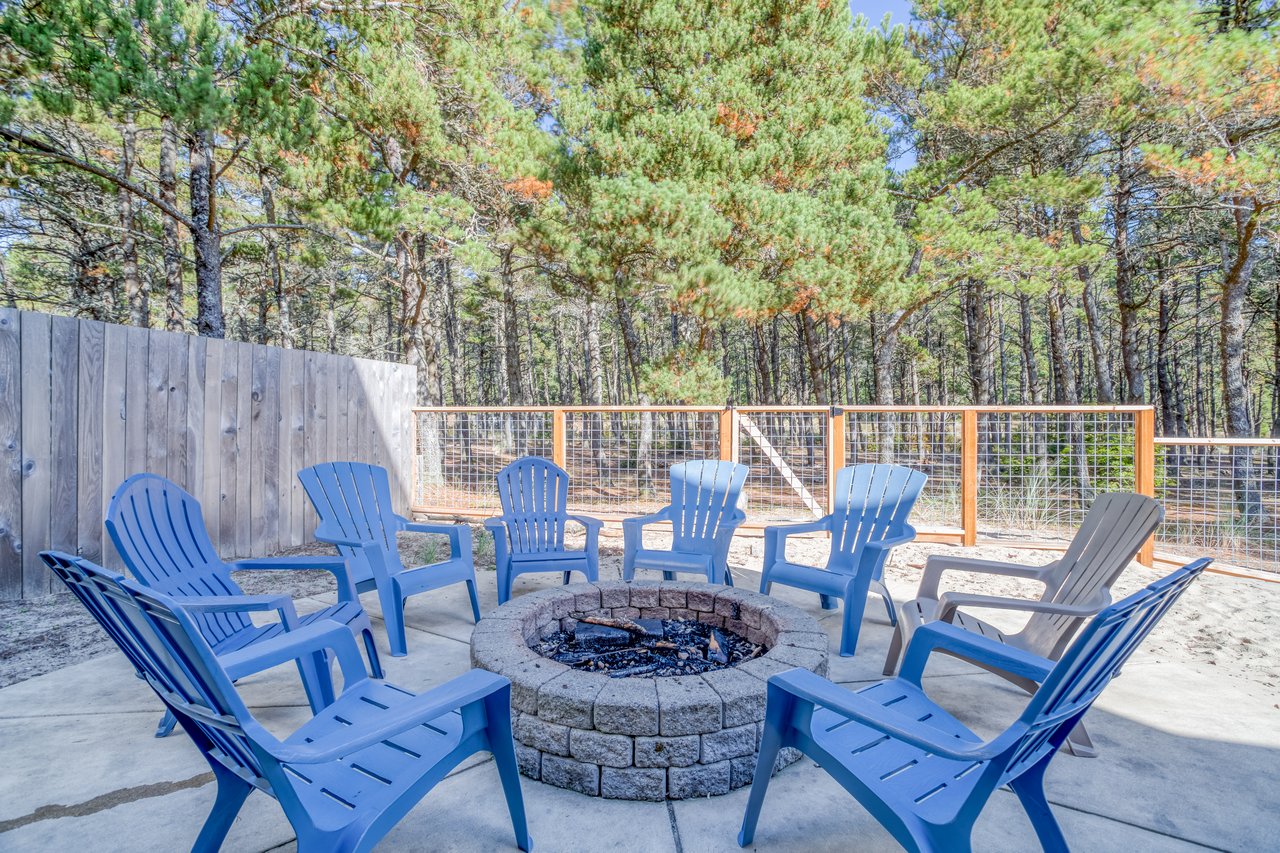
(1221, 500)
(787, 454)
(459, 453)
(618, 461)
(926, 441)
(1038, 472)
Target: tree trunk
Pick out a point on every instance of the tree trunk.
(1127, 298)
(135, 290)
(1097, 343)
(511, 333)
(175, 319)
(817, 370)
(1238, 260)
(1030, 370)
(278, 291)
(977, 322)
(206, 239)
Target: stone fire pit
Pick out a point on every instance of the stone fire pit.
(643, 737)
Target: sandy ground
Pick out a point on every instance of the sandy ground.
(1222, 621)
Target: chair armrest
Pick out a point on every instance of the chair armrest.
(335, 565)
(939, 636)
(937, 564)
(781, 531)
(236, 603)
(322, 562)
(282, 604)
(816, 690)
(321, 635)
(459, 536)
(467, 688)
(332, 536)
(949, 602)
(899, 535)
(586, 521)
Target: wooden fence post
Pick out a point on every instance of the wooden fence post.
(557, 437)
(1144, 469)
(729, 434)
(969, 476)
(835, 452)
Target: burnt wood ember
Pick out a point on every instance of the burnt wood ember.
(658, 648)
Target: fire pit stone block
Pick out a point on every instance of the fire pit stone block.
(633, 783)
(687, 705)
(606, 750)
(668, 751)
(700, 780)
(627, 706)
(643, 738)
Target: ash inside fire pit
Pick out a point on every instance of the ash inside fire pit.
(646, 647)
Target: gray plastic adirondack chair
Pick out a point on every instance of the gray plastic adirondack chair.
(1076, 587)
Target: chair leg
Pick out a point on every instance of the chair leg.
(887, 599)
(167, 722)
(1030, 790)
(475, 601)
(316, 680)
(827, 602)
(371, 651)
(728, 575)
(892, 659)
(566, 578)
(504, 585)
(1079, 743)
(855, 602)
(232, 792)
(498, 711)
(668, 576)
(776, 717)
(395, 629)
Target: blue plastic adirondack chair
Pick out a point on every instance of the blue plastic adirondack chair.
(345, 778)
(872, 503)
(918, 770)
(529, 535)
(159, 531)
(703, 513)
(353, 501)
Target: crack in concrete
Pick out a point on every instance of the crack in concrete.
(675, 827)
(105, 801)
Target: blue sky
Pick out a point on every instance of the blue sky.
(875, 9)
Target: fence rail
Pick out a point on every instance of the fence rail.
(1016, 474)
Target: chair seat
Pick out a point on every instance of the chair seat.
(673, 561)
(824, 581)
(371, 779)
(903, 775)
(921, 610)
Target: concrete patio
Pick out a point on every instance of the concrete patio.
(1189, 759)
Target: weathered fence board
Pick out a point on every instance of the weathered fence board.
(85, 404)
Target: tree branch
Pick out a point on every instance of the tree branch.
(37, 146)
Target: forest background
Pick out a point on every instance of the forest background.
(620, 201)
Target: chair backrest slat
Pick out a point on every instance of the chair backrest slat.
(159, 532)
(354, 499)
(704, 495)
(170, 652)
(1109, 538)
(871, 500)
(534, 493)
(1089, 665)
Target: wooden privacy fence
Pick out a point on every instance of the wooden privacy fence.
(84, 404)
(1019, 474)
